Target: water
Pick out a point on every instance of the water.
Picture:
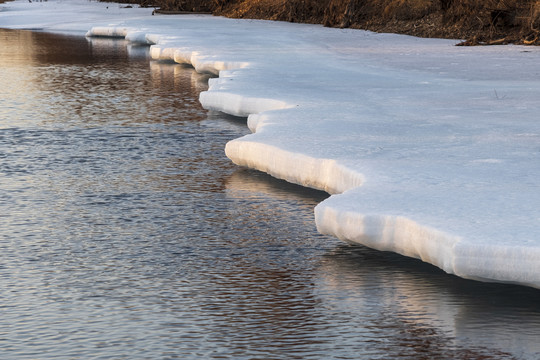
(125, 233)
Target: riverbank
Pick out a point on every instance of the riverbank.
(430, 150)
(477, 22)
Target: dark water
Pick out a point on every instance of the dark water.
(125, 233)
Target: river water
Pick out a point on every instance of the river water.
(125, 233)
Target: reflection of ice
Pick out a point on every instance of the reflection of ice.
(117, 46)
(104, 46)
(138, 51)
(226, 123)
(257, 193)
(394, 292)
(250, 183)
(182, 76)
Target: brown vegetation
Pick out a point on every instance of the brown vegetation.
(478, 21)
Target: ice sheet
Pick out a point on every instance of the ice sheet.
(430, 150)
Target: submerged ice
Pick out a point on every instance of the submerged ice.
(430, 150)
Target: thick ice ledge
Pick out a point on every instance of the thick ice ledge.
(109, 31)
(430, 150)
(322, 174)
(477, 260)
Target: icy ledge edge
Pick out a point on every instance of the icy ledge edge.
(450, 253)
(397, 234)
(381, 232)
(322, 174)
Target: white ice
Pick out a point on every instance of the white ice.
(430, 150)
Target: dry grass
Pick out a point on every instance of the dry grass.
(186, 5)
(409, 9)
(305, 11)
(498, 21)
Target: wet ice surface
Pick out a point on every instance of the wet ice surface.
(126, 233)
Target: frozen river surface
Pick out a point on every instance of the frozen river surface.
(429, 150)
(125, 233)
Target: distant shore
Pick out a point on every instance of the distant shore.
(476, 22)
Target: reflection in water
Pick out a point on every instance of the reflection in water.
(126, 233)
(440, 315)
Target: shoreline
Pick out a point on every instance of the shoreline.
(475, 22)
(415, 199)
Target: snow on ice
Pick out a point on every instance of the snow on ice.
(430, 150)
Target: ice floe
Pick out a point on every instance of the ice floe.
(430, 150)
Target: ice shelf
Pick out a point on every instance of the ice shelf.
(428, 149)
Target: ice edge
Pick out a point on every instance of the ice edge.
(382, 232)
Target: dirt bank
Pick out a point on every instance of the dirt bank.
(476, 21)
